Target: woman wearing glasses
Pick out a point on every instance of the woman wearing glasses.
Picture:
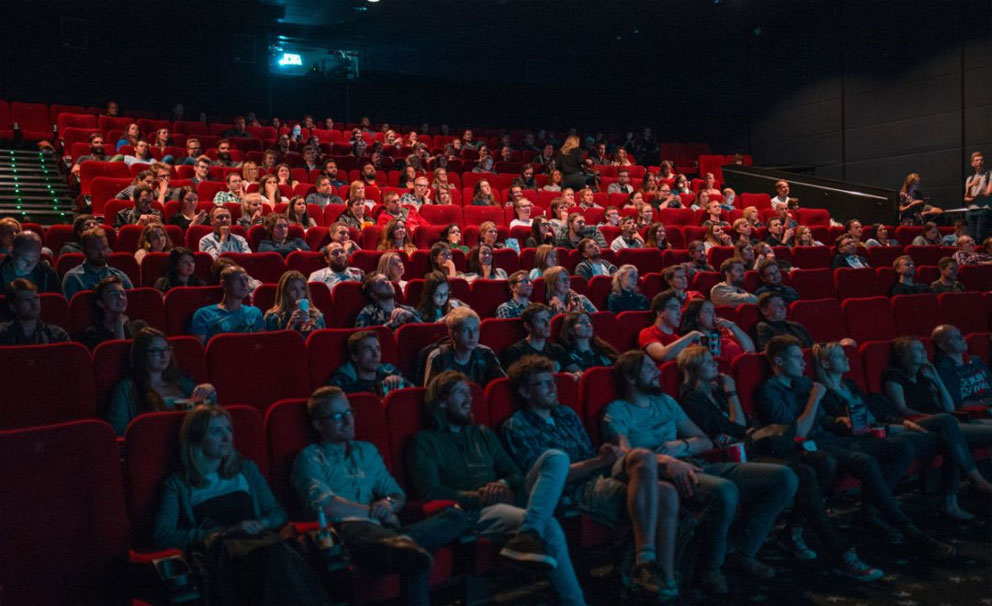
(154, 383)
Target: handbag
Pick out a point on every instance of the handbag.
(775, 440)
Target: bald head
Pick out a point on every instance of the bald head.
(949, 339)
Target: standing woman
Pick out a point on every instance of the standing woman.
(569, 162)
(913, 208)
(289, 312)
(154, 383)
(220, 507)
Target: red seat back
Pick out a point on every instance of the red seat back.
(915, 315)
(966, 310)
(64, 526)
(597, 388)
(869, 319)
(813, 283)
(327, 350)
(142, 304)
(30, 395)
(822, 318)
(500, 333)
(810, 257)
(244, 371)
(857, 283)
(182, 302)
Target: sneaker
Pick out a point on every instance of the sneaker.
(527, 548)
(797, 546)
(750, 566)
(852, 567)
(712, 582)
(928, 546)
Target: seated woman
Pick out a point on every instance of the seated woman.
(277, 237)
(559, 211)
(545, 256)
(583, 347)
(804, 237)
(440, 260)
(523, 208)
(435, 300)
(645, 215)
(442, 197)
(441, 182)
(929, 237)
(656, 236)
(292, 309)
(742, 231)
(907, 386)
(724, 338)
(881, 237)
(108, 308)
(482, 194)
(391, 266)
(356, 215)
(252, 210)
(716, 236)
(744, 251)
(489, 235)
(268, 188)
(187, 214)
(649, 186)
(153, 382)
(710, 400)
(480, 265)
(702, 201)
(219, 507)
(179, 271)
(626, 295)
(297, 214)
(559, 295)
(554, 181)
(284, 176)
(409, 177)
(153, 238)
(763, 250)
(452, 236)
(249, 173)
(541, 232)
(396, 237)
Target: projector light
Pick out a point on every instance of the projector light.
(290, 59)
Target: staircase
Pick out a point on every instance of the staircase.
(32, 189)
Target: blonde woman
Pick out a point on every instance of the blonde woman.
(292, 309)
(559, 294)
(391, 266)
(569, 162)
(625, 295)
(544, 257)
(251, 210)
(396, 237)
(249, 173)
(153, 238)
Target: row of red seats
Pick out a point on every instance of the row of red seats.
(260, 379)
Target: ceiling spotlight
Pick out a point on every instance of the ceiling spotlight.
(373, 1)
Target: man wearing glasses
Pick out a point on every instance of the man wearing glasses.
(418, 197)
(201, 170)
(348, 482)
(521, 288)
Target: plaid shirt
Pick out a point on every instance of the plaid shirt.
(528, 436)
(373, 315)
(510, 309)
(223, 197)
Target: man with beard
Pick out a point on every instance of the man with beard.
(337, 269)
(365, 370)
(731, 290)
(324, 193)
(463, 353)
(97, 153)
(224, 155)
(593, 264)
(94, 268)
(368, 174)
(382, 309)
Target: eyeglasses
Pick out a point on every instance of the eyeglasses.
(337, 417)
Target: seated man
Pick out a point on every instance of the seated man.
(847, 254)
(644, 417)
(142, 212)
(231, 314)
(80, 224)
(608, 483)
(537, 323)
(222, 239)
(731, 290)
(575, 230)
(225, 159)
(948, 280)
(142, 154)
(382, 309)
(339, 232)
(771, 281)
(94, 268)
(661, 340)
(622, 184)
(778, 235)
(419, 196)
(365, 370)
(26, 327)
(967, 378)
(345, 482)
(97, 154)
(24, 261)
(521, 287)
(905, 270)
(782, 212)
(592, 263)
(463, 353)
(331, 171)
(967, 255)
(789, 397)
(773, 323)
(337, 269)
(324, 193)
(234, 191)
(629, 236)
(457, 459)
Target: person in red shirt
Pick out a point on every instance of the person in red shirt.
(661, 340)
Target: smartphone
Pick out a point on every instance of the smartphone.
(303, 305)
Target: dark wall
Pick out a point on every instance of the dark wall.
(864, 91)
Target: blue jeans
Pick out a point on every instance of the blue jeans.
(979, 224)
(542, 486)
(763, 491)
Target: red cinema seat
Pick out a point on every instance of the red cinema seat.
(33, 119)
(979, 344)
(928, 255)
(89, 171)
(142, 304)
(810, 257)
(869, 319)
(976, 277)
(966, 310)
(182, 302)
(86, 122)
(875, 359)
(915, 315)
(305, 262)
(704, 281)
(34, 398)
(883, 256)
(54, 310)
(477, 215)
(441, 215)
(597, 388)
(599, 290)
(501, 402)
(760, 201)
(151, 454)
(822, 318)
(347, 300)
(327, 350)
(487, 295)
(258, 368)
(646, 260)
(287, 432)
(629, 326)
(857, 283)
(506, 259)
(813, 216)
(813, 283)
(62, 510)
(267, 267)
(749, 370)
(500, 333)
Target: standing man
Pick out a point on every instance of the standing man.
(978, 199)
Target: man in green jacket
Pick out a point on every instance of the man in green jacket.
(456, 459)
